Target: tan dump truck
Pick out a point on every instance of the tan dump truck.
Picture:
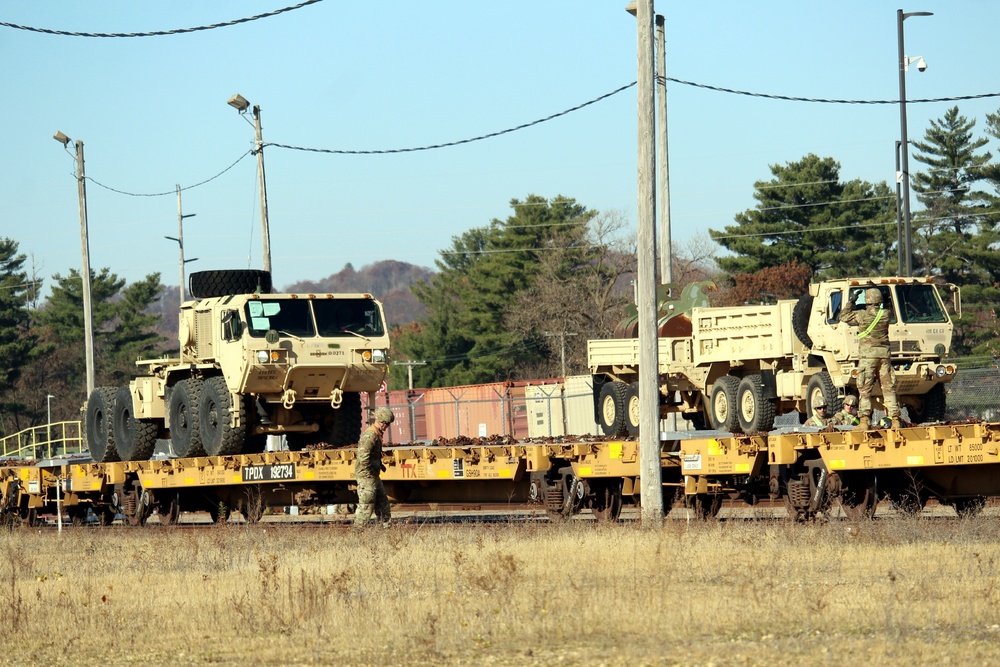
(251, 364)
(736, 368)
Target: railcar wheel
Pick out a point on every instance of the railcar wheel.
(185, 434)
(754, 411)
(611, 409)
(135, 439)
(858, 495)
(219, 436)
(168, 507)
(606, 504)
(100, 435)
(724, 411)
(705, 506)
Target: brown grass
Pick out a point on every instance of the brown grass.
(893, 592)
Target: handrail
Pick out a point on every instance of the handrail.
(44, 441)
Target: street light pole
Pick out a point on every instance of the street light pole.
(666, 253)
(240, 103)
(903, 62)
(899, 212)
(180, 238)
(88, 318)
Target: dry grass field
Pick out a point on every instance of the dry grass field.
(891, 592)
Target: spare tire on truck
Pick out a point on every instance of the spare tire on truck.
(800, 319)
(208, 284)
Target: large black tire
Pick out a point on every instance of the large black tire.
(821, 385)
(208, 284)
(611, 409)
(100, 435)
(800, 319)
(346, 429)
(754, 411)
(933, 406)
(723, 404)
(185, 435)
(135, 439)
(219, 436)
(632, 409)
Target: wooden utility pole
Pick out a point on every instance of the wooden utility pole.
(562, 346)
(88, 317)
(666, 252)
(265, 225)
(409, 369)
(649, 393)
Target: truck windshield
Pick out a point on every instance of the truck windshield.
(343, 317)
(920, 303)
(333, 317)
(284, 315)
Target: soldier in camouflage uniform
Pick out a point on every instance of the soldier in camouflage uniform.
(873, 352)
(371, 491)
(819, 417)
(847, 416)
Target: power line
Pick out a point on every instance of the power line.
(459, 142)
(159, 33)
(171, 192)
(788, 98)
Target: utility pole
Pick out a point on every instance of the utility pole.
(240, 103)
(649, 394)
(88, 317)
(666, 253)
(562, 346)
(409, 368)
(180, 238)
(264, 224)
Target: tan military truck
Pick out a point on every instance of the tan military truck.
(736, 368)
(251, 364)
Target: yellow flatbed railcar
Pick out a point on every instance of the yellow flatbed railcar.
(810, 470)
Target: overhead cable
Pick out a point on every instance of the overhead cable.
(159, 33)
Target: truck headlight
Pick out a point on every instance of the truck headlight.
(262, 356)
(941, 371)
(379, 356)
(266, 356)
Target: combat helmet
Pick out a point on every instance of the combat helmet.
(384, 415)
(873, 296)
(850, 400)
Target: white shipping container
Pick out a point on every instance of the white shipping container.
(545, 410)
(578, 398)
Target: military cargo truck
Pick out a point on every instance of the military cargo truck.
(736, 368)
(251, 364)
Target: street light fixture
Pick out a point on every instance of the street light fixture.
(88, 318)
(240, 103)
(904, 64)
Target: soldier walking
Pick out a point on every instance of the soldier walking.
(367, 471)
(873, 350)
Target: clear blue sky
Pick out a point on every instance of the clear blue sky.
(365, 76)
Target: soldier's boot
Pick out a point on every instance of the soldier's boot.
(864, 423)
(896, 422)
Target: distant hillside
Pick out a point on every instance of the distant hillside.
(388, 281)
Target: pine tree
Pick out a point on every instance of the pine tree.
(806, 214)
(953, 235)
(17, 340)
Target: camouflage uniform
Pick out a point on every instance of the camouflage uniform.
(844, 418)
(873, 352)
(817, 419)
(371, 491)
